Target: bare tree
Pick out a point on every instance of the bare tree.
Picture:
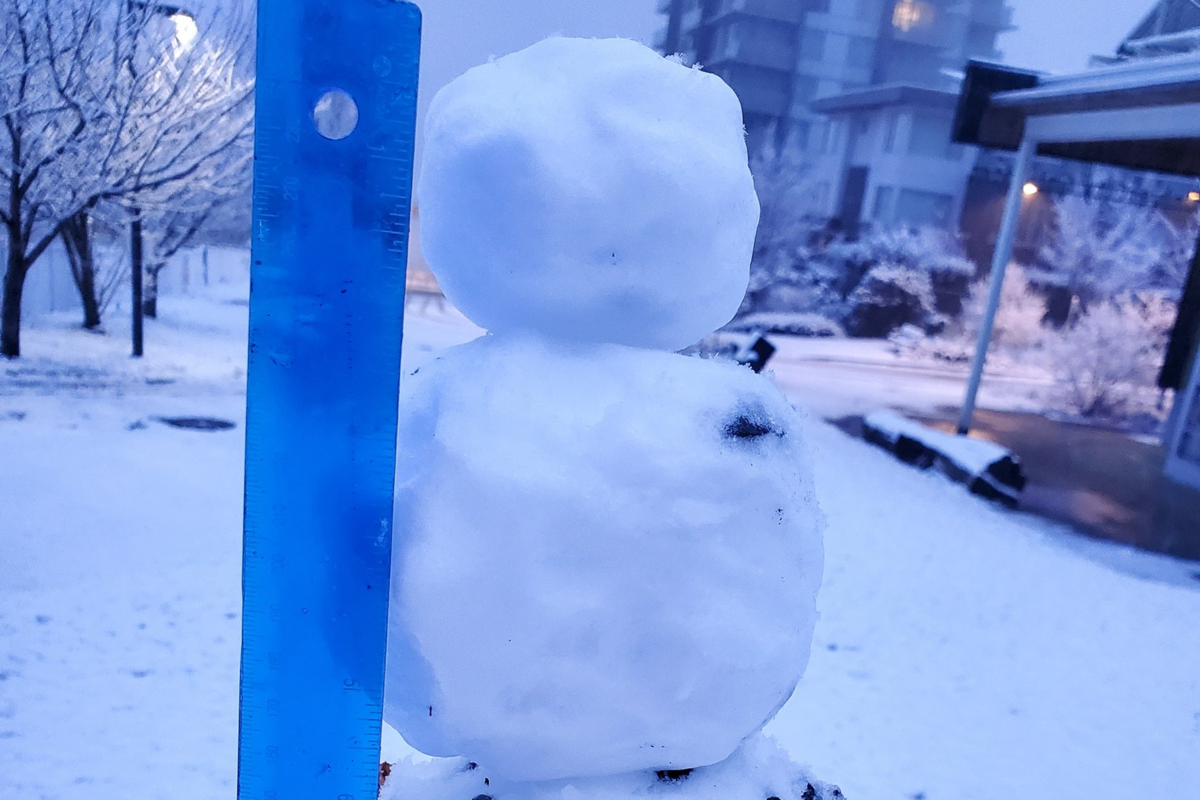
(105, 103)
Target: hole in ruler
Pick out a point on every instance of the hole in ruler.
(335, 115)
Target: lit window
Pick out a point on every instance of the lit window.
(907, 15)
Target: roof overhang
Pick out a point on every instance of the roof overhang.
(888, 95)
(1141, 114)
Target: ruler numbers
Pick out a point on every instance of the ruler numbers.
(336, 108)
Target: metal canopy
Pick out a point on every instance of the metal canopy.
(1142, 114)
(1139, 115)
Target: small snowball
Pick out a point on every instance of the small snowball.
(589, 190)
(623, 578)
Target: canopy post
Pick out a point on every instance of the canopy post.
(1003, 254)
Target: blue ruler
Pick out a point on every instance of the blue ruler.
(336, 108)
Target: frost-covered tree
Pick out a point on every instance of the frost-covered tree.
(1177, 259)
(787, 223)
(174, 222)
(1019, 318)
(103, 103)
(1101, 249)
(95, 285)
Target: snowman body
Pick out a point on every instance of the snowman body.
(606, 554)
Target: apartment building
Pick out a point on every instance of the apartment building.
(866, 87)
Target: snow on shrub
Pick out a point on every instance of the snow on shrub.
(1018, 326)
(1107, 356)
(924, 266)
(889, 296)
(933, 251)
(793, 324)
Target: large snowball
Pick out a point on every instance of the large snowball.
(621, 579)
(589, 189)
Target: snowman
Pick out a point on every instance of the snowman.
(607, 554)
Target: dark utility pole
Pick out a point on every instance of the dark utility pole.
(135, 242)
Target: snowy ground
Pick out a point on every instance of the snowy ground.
(964, 651)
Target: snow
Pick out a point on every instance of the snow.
(758, 770)
(589, 190)
(963, 651)
(607, 558)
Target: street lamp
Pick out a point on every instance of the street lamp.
(186, 31)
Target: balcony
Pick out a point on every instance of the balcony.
(755, 56)
(992, 15)
(790, 12)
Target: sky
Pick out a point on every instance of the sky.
(458, 34)
(1060, 35)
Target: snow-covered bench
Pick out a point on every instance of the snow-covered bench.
(986, 468)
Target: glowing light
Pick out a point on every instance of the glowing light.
(907, 15)
(1030, 189)
(186, 29)
(1194, 197)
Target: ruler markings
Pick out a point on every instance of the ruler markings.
(330, 216)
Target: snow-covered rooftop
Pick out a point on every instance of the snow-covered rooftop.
(1170, 80)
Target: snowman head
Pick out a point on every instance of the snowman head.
(592, 191)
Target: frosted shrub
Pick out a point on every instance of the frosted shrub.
(1107, 356)
(920, 275)
(1018, 325)
(934, 252)
(792, 323)
(891, 295)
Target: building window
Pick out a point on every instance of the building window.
(804, 89)
(833, 134)
(881, 209)
(799, 134)
(821, 197)
(891, 124)
(918, 209)
(931, 137)
(816, 136)
(812, 45)
(908, 14)
(733, 44)
(860, 53)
